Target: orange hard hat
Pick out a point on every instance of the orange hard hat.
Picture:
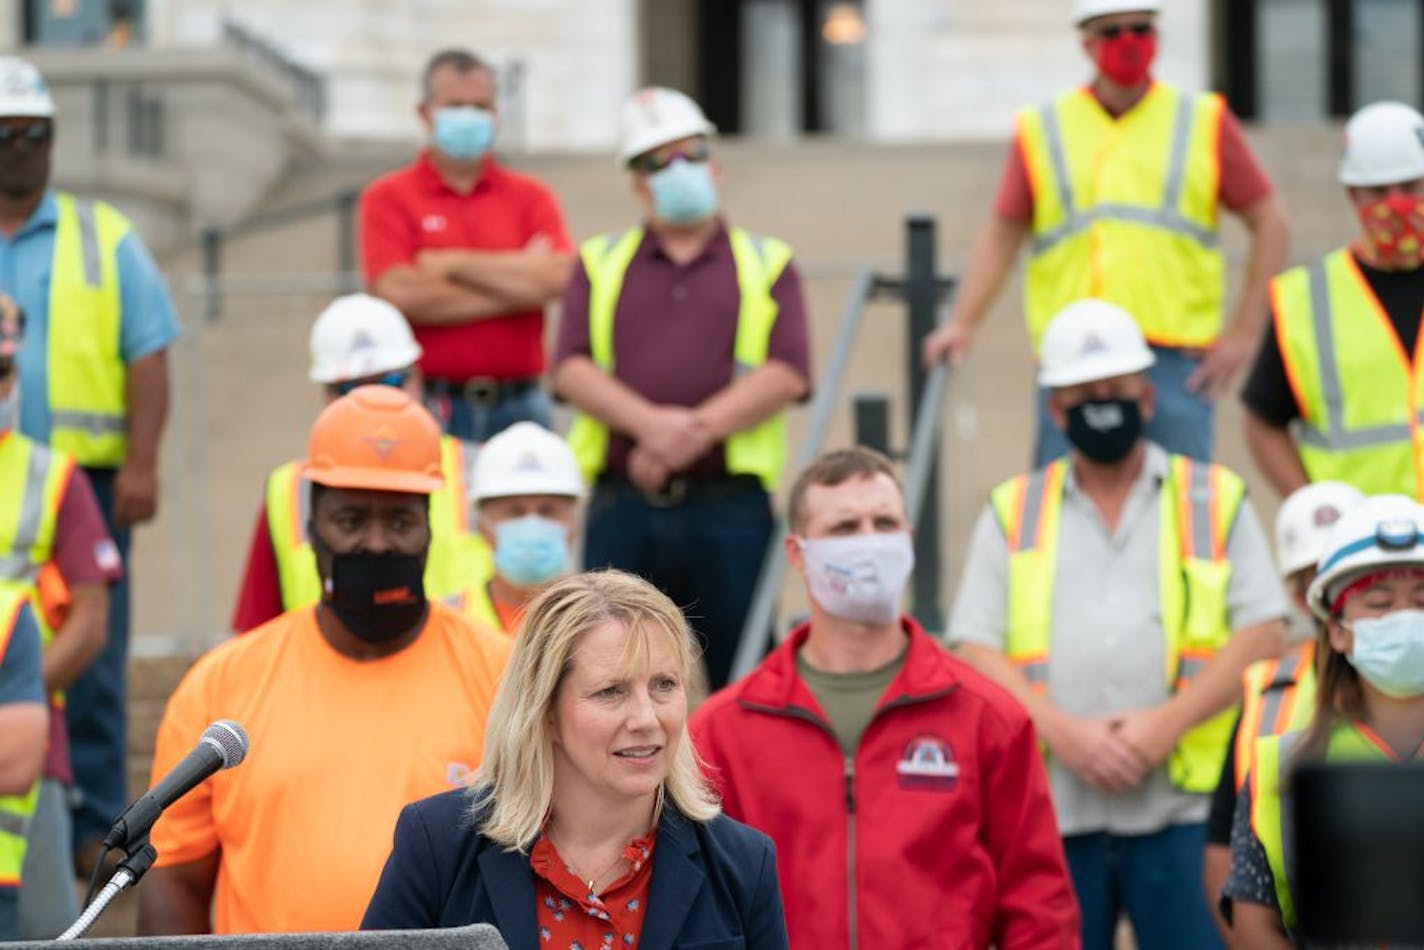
(375, 437)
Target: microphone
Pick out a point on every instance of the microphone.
(223, 745)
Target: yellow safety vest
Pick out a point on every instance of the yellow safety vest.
(458, 559)
(1273, 762)
(84, 363)
(1125, 210)
(1360, 395)
(760, 450)
(15, 810)
(1198, 506)
(32, 482)
(477, 604)
(1277, 696)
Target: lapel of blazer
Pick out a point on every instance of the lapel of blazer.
(677, 879)
(510, 886)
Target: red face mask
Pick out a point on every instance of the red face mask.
(1394, 231)
(1127, 58)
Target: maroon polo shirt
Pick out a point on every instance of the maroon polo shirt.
(411, 209)
(674, 331)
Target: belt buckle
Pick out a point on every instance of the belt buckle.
(671, 495)
(481, 391)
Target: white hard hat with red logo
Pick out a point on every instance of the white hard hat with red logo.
(1380, 533)
(656, 116)
(1085, 10)
(1090, 340)
(1384, 145)
(525, 459)
(1303, 524)
(23, 93)
(359, 335)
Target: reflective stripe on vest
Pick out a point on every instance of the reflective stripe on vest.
(85, 366)
(1277, 696)
(760, 450)
(1360, 397)
(1198, 505)
(16, 811)
(1110, 193)
(32, 481)
(458, 558)
(1270, 815)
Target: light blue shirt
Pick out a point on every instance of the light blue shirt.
(148, 322)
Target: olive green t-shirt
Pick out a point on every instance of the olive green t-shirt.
(849, 699)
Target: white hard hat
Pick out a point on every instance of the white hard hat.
(1090, 340)
(656, 116)
(1303, 524)
(23, 92)
(1085, 10)
(1384, 145)
(525, 459)
(1381, 532)
(359, 335)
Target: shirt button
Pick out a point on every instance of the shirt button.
(679, 292)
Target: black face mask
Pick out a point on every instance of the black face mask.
(1105, 431)
(378, 597)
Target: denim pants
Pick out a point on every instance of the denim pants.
(479, 423)
(1182, 422)
(96, 709)
(1155, 879)
(704, 553)
(48, 904)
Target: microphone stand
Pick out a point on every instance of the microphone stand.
(141, 856)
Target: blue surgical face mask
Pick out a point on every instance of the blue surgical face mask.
(683, 193)
(1389, 652)
(464, 133)
(530, 551)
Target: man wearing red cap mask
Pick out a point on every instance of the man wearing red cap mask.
(1119, 185)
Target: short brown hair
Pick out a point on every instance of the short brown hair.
(460, 60)
(834, 468)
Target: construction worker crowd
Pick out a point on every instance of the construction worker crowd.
(1104, 733)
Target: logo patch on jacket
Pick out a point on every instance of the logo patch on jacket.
(458, 774)
(928, 763)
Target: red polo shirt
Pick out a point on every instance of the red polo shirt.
(411, 209)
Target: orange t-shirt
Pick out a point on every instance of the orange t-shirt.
(338, 747)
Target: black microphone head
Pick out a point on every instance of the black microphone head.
(229, 739)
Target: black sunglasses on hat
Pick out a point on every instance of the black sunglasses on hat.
(1115, 30)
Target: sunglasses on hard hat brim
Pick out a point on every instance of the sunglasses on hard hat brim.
(396, 378)
(1115, 30)
(650, 163)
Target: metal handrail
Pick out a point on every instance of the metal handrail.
(756, 631)
(924, 441)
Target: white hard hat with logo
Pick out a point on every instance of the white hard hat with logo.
(656, 116)
(1090, 340)
(1379, 533)
(1384, 145)
(1085, 10)
(359, 335)
(23, 93)
(1303, 524)
(525, 459)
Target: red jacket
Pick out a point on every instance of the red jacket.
(942, 820)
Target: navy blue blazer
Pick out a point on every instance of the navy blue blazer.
(713, 888)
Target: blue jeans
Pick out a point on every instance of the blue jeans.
(479, 423)
(96, 709)
(1182, 422)
(48, 904)
(1156, 879)
(704, 553)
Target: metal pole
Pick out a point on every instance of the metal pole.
(212, 270)
(872, 421)
(922, 303)
(346, 239)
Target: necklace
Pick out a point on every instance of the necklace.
(590, 881)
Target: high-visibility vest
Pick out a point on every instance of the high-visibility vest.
(1198, 506)
(1274, 756)
(16, 811)
(760, 450)
(1359, 394)
(32, 482)
(84, 364)
(1277, 696)
(1125, 210)
(458, 557)
(477, 604)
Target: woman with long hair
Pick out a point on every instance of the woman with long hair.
(589, 822)
(1369, 594)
